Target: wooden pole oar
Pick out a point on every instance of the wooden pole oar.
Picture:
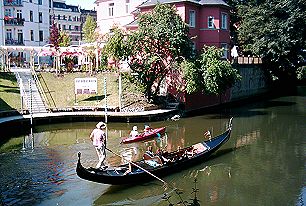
(165, 183)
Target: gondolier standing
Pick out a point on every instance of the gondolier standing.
(98, 139)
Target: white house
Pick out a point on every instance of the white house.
(25, 22)
(115, 12)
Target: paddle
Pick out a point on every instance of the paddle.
(165, 183)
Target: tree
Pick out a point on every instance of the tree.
(64, 39)
(275, 30)
(54, 35)
(89, 30)
(210, 73)
(161, 39)
(115, 47)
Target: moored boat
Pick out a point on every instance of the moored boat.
(143, 170)
(144, 136)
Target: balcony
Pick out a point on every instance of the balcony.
(11, 42)
(9, 21)
(12, 2)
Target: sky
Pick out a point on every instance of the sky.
(85, 4)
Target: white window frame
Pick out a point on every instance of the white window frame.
(224, 21)
(19, 14)
(9, 34)
(8, 12)
(31, 16)
(192, 18)
(224, 46)
(210, 22)
(40, 17)
(111, 9)
(32, 35)
(41, 35)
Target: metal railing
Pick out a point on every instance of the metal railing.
(40, 89)
(23, 94)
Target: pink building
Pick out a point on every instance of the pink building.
(208, 25)
(208, 19)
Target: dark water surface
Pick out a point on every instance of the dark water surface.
(262, 164)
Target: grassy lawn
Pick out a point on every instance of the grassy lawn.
(61, 88)
(9, 92)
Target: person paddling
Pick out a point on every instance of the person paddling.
(98, 139)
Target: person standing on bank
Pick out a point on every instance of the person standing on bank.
(98, 139)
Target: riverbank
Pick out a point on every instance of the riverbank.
(18, 124)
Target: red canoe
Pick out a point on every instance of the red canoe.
(144, 136)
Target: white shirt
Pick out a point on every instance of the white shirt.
(98, 137)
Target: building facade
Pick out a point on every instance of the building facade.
(2, 33)
(208, 20)
(115, 13)
(68, 19)
(26, 22)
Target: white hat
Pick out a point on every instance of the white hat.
(101, 125)
(135, 128)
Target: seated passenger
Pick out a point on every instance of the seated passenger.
(147, 129)
(151, 159)
(160, 153)
(134, 132)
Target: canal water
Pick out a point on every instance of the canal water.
(263, 163)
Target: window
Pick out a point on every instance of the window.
(59, 26)
(210, 22)
(8, 12)
(69, 27)
(69, 18)
(192, 18)
(41, 35)
(225, 50)
(20, 36)
(9, 34)
(64, 17)
(111, 9)
(59, 17)
(223, 21)
(40, 17)
(19, 14)
(32, 35)
(76, 28)
(30, 1)
(31, 16)
(64, 27)
(39, 2)
(127, 6)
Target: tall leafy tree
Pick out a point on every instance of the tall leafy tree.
(89, 30)
(54, 35)
(275, 30)
(210, 73)
(161, 39)
(115, 47)
(64, 39)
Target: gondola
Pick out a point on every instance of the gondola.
(144, 136)
(145, 171)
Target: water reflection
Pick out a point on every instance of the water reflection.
(263, 160)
